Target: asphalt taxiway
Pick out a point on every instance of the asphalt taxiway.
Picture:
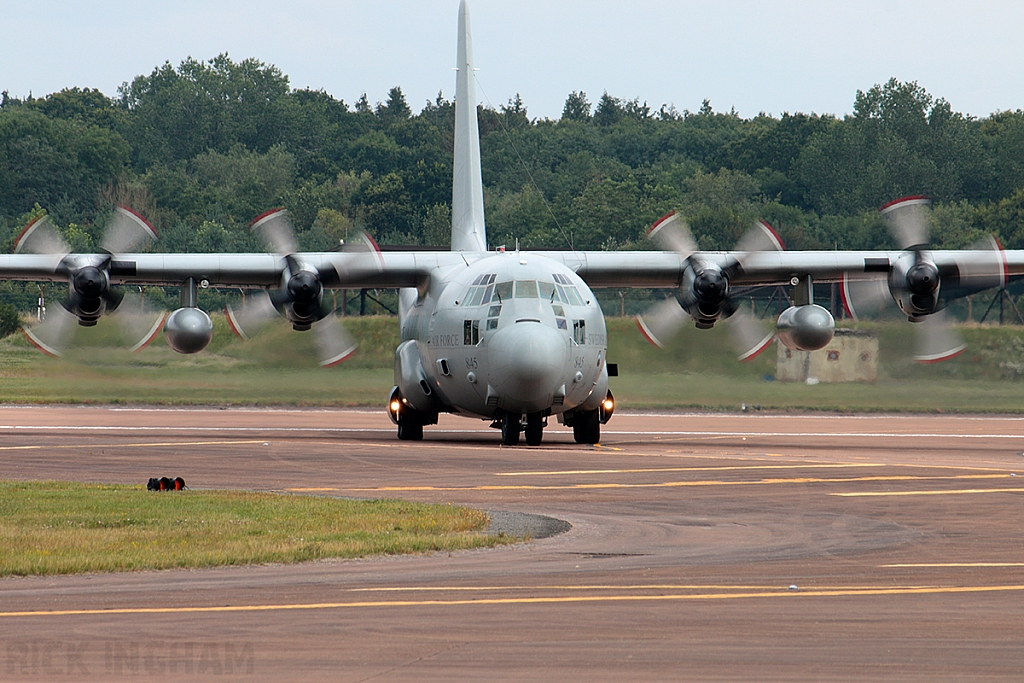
(702, 546)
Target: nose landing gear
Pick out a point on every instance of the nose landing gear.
(513, 425)
(510, 428)
(534, 429)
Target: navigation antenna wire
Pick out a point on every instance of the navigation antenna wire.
(519, 156)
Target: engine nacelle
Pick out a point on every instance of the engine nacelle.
(704, 294)
(90, 295)
(304, 300)
(414, 386)
(914, 283)
(188, 330)
(805, 328)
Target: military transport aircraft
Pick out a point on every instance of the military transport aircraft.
(513, 337)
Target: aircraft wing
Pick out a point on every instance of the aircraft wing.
(398, 269)
(337, 269)
(985, 268)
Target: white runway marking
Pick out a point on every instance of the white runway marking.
(487, 430)
(873, 435)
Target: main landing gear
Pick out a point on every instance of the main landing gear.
(409, 428)
(409, 420)
(586, 426)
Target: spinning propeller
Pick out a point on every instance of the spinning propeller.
(704, 295)
(300, 296)
(90, 293)
(918, 285)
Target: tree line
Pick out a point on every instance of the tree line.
(204, 147)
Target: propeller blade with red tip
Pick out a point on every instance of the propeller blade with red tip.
(662, 322)
(991, 271)
(40, 237)
(54, 335)
(937, 340)
(760, 237)
(750, 337)
(863, 296)
(139, 326)
(127, 231)
(673, 234)
(908, 221)
(334, 344)
(275, 229)
(251, 316)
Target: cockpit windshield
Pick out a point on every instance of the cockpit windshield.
(561, 291)
(526, 289)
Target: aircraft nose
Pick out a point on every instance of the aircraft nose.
(530, 359)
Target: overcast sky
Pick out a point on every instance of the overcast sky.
(787, 55)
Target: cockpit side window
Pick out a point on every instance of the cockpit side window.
(559, 317)
(503, 291)
(492, 317)
(565, 291)
(471, 332)
(579, 331)
(481, 291)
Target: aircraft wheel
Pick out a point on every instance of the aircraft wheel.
(510, 427)
(534, 429)
(409, 428)
(586, 427)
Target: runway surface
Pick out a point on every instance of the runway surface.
(703, 547)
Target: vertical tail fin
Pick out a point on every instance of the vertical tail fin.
(469, 232)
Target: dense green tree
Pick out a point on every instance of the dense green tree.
(514, 114)
(609, 110)
(204, 147)
(179, 113)
(10, 322)
(384, 209)
(55, 161)
(1002, 136)
(899, 141)
(88, 106)
(395, 109)
(577, 107)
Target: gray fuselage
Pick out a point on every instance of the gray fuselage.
(510, 331)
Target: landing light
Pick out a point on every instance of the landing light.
(606, 409)
(395, 406)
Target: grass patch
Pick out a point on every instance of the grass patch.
(65, 528)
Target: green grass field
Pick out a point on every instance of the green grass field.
(698, 370)
(64, 528)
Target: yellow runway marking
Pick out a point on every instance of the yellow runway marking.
(939, 492)
(133, 445)
(689, 469)
(311, 489)
(672, 484)
(538, 600)
(958, 564)
(647, 587)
